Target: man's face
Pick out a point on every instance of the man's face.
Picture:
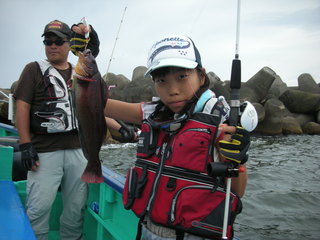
(57, 49)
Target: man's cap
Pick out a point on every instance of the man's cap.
(173, 51)
(59, 28)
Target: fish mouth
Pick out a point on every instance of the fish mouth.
(85, 53)
(86, 64)
(84, 79)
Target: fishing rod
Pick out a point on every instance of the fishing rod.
(235, 85)
(115, 42)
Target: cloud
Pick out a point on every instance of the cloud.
(283, 35)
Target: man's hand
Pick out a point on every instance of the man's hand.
(29, 156)
(235, 149)
(129, 133)
(80, 29)
(78, 42)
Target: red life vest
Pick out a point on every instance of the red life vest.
(170, 183)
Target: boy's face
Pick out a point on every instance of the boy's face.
(177, 87)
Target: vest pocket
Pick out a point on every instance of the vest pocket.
(137, 189)
(199, 209)
(147, 143)
(190, 149)
(49, 122)
(194, 208)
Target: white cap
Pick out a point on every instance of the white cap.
(173, 51)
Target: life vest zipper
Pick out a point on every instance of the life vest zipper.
(74, 120)
(176, 172)
(156, 181)
(206, 130)
(130, 179)
(151, 135)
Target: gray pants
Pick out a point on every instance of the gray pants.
(60, 168)
(151, 231)
(148, 235)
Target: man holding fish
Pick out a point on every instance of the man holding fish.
(48, 127)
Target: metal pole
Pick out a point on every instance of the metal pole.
(226, 209)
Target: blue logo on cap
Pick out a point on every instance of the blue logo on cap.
(170, 43)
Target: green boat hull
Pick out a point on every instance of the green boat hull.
(105, 216)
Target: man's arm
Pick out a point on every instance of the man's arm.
(23, 120)
(128, 133)
(29, 156)
(112, 124)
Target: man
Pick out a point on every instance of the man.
(48, 132)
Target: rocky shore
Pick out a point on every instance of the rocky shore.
(281, 109)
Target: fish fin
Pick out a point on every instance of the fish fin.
(92, 174)
(90, 177)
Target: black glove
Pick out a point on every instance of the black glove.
(78, 42)
(128, 133)
(236, 150)
(29, 155)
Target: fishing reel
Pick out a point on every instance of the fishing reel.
(248, 116)
(224, 169)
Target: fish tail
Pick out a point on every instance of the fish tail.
(92, 174)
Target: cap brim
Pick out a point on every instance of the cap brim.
(171, 62)
(59, 34)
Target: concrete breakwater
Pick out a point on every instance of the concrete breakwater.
(281, 109)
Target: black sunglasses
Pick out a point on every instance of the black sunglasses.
(58, 42)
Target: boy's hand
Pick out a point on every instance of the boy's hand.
(234, 147)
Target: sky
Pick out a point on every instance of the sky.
(281, 34)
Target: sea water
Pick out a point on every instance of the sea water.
(282, 199)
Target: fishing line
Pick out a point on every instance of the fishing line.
(195, 91)
(196, 18)
(115, 42)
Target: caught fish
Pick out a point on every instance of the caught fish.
(89, 99)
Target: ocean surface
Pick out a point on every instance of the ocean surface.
(282, 199)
